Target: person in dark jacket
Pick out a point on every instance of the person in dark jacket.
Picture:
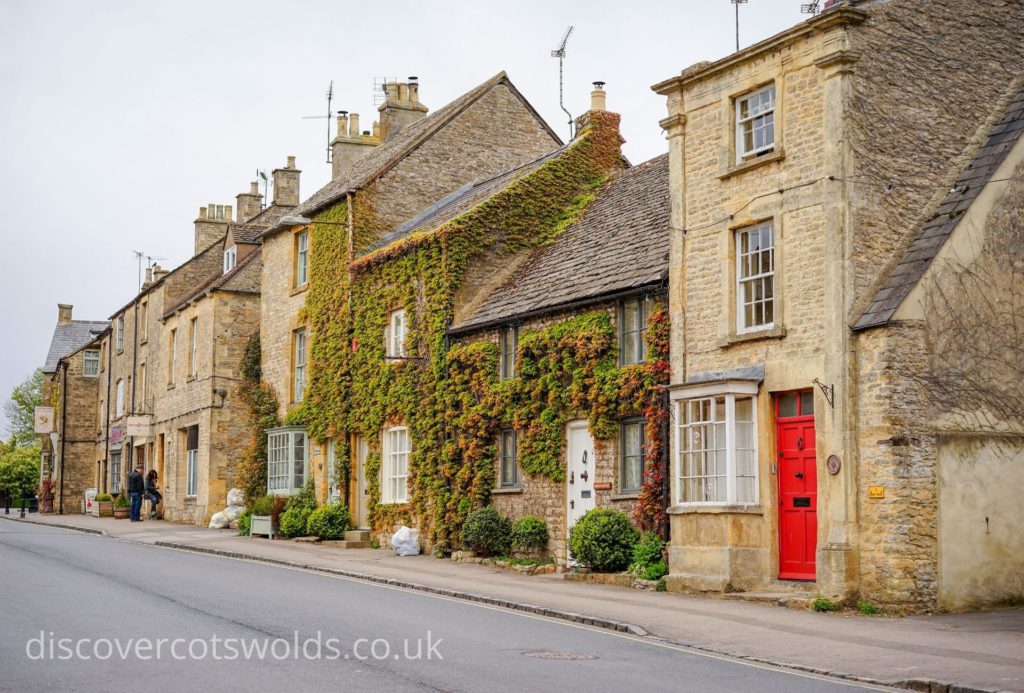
(136, 487)
(152, 492)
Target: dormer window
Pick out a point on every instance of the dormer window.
(755, 123)
(230, 258)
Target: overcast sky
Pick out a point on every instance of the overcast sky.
(120, 119)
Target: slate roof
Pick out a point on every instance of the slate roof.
(247, 233)
(235, 280)
(620, 243)
(388, 153)
(940, 225)
(69, 338)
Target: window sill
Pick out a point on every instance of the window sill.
(394, 503)
(170, 386)
(299, 290)
(507, 490)
(740, 337)
(716, 510)
(190, 379)
(626, 496)
(143, 341)
(755, 162)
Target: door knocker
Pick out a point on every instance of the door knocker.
(800, 443)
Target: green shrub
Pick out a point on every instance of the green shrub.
(244, 522)
(530, 534)
(661, 586)
(648, 562)
(263, 506)
(868, 609)
(487, 532)
(122, 501)
(328, 522)
(603, 539)
(825, 604)
(102, 497)
(293, 521)
(375, 543)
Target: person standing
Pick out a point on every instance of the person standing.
(136, 487)
(152, 492)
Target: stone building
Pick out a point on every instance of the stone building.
(804, 455)
(71, 387)
(381, 178)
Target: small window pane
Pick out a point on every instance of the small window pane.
(807, 403)
(788, 405)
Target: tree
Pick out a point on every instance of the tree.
(21, 409)
(19, 471)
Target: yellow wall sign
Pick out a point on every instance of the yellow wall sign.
(876, 492)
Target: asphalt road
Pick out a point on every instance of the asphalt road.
(83, 612)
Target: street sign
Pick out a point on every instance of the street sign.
(44, 420)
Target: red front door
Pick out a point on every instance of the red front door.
(798, 484)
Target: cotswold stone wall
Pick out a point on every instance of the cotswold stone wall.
(927, 81)
(493, 135)
(79, 464)
(280, 304)
(898, 533)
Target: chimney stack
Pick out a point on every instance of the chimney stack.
(350, 145)
(286, 184)
(598, 105)
(159, 273)
(249, 204)
(211, 225)
(64, 313)
(401, 107)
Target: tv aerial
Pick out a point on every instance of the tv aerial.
(330, 97)
(560, 54)
(810, 7)
(262, 175)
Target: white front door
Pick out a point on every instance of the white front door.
(362, 489)
(580, 473)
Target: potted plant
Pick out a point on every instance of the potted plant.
(46, 487)
(103, 505)
(265, 512)
(121, 507)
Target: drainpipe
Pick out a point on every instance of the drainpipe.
(353, 453)
(63, 430)
(106, 416)
(135, 379)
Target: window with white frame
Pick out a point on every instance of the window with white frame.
(395, 334)
(509, 338)
(633, 316)
(192, 461)
(230, 258)
(119, 337)
(395, 466)
(509, 477)
(172, 355)
(119, 410)
(115, 472)
(333, 492)
(755, 123)
(91, 363)
(298, 365)
(301, 258)
(755, 278)
(631, 476)
(716, 449)
(286, 460)
(143, 322)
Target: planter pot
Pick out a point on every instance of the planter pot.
(103, 508)
(121, 513)
(263, 525)
(46, 504)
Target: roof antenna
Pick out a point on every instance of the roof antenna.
(810, 7)
(149, 262)
(330, 97)
(262, 175)
(738, 3)
(560, 54)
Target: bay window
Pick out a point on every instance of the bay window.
(716, 444)
(286, 460)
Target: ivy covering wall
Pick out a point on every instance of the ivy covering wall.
(450, 397)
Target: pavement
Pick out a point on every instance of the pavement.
(954, 653)
(83, 611)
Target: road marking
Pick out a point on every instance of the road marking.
(648, 640)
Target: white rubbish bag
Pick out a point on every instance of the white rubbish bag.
(406, 541)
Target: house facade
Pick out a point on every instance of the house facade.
(71, 387)
(800, 168)
(381, 178)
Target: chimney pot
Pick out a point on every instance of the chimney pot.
(64, 313)
(254, 188)
(291, 162)
(353, 125)
(597, 97)
(403, 91)
(202, 212)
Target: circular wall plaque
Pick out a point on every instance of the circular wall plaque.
(833, 464)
